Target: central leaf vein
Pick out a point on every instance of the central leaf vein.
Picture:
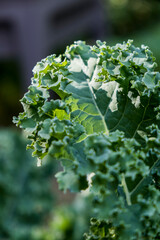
(95, 103)
(142, 119)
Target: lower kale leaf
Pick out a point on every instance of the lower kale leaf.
(105, 130)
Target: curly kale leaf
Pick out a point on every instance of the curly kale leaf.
(105, 130)
(124, 185)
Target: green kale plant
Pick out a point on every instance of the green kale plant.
(105, 130)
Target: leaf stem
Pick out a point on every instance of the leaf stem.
(124, 185)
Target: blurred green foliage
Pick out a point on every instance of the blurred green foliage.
(69, 222)
(26, 196)
(28, 209)
(128, 16)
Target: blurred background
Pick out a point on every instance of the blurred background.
(29, 31)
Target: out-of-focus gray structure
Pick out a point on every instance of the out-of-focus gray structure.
(30, 29)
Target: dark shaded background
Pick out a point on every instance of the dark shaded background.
(31, 30)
